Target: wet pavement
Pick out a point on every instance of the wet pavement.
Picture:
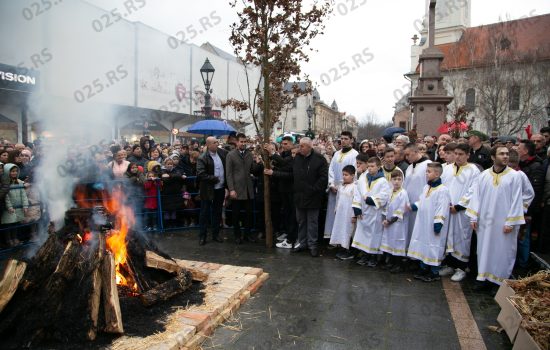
(325, 303)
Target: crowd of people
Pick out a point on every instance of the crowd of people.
(446, 206)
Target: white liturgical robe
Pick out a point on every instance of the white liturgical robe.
(338, 162)
(496, 202)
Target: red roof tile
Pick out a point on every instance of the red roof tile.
(519, 40)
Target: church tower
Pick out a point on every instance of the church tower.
(452, 17)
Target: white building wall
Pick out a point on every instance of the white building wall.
(74, 51)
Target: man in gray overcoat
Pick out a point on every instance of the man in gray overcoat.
(240, 166)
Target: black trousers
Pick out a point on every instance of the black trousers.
(211, 208)
(289, 214)
(241, 212)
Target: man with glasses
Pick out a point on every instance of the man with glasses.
(345, 156)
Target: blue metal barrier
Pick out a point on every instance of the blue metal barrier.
(139, 212)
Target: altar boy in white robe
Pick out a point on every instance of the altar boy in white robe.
(496, 213)
(394, 235)
(344, 226)
(371, 195)
(431, 226)
(343, 157)
(460, 183)
(415, 179)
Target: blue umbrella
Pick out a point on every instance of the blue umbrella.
(211, 127)
(393, 130)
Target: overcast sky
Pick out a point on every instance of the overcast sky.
(377, 30)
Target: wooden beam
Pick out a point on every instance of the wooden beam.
(11, 276)
(158, 262)
(95, 297)
(168, 289)
(111, 304)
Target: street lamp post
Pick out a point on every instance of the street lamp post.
(207, 73)
(310, 113)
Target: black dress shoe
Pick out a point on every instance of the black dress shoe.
(202, 241)
(299, 249)
(217, 239)
(238, 241)
(314, 252)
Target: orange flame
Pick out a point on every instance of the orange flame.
(115, 205)
(116, 241)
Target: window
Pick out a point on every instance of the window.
(294, 102)
(294, 125)
(470, 103)
(403, 125)
(513, 98)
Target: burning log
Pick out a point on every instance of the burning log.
(95, 298)
(168, 289)
(10, 280)
(169, 265)
(113, 316)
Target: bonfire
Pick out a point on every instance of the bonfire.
(83, 268)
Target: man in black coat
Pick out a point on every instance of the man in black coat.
(282, 171)
(310, 172)
(211, 177)
(531, 165)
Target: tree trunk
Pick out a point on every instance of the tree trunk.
(267, 164)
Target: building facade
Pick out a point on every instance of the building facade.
(135, 77)
(498, 73)
(326, 121)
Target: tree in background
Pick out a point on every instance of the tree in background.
(371, 127)
(508, 85)
(275, 35)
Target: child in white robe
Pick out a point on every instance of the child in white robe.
(371, 195)
(430, 228)
(448, 167)
(343, 228)
(394, 234)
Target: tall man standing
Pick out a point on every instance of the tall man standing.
(343, 157)
(310, 181)
(496, 213)
(282, 171)
(460, 182)
(211, 175)
(240, 165)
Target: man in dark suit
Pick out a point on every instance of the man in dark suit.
(240, 164)
(211, 175)
(310, 171)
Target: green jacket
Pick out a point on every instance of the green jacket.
(16, 198)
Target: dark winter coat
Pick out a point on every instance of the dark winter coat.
(282, 171)
(482, 157)
(310, 180)
(172, 190)
(534, 170)
(205, 174)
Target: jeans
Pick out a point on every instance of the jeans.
(289, 212)
(308, 224)
(211, 208)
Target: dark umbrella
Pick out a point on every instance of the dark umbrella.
(392, 130)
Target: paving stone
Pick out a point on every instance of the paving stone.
(184, 333)
(197, 319)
